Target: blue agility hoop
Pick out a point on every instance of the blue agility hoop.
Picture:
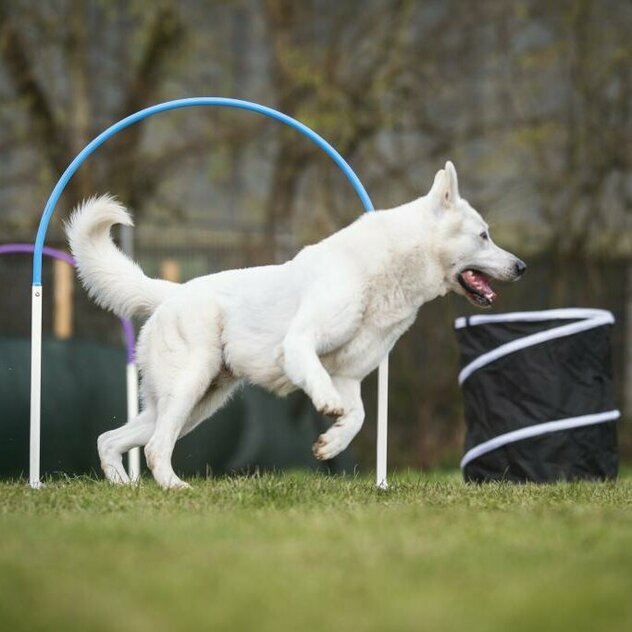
(36, 315)
(175, 105)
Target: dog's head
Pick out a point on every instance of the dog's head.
(468, 254)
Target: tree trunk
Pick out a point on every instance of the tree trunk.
(80, 110)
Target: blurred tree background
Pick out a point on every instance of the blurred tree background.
(531, 99)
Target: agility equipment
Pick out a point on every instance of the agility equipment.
(37, 290)
(538, 396)
(130, 346)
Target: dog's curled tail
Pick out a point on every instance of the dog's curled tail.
(112, 279)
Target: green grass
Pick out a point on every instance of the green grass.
(307, 552)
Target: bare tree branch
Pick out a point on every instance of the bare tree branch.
(166, 33)
(47, 130)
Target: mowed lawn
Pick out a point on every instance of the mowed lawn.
(312, 552)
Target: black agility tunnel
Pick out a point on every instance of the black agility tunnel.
(84, 395)
(538, 395)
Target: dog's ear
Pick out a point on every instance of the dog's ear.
(452, 193)
(445, 187)
(438, 183)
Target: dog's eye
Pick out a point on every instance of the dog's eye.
(484, 235)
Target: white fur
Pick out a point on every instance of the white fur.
(103, 264)
(320, 322)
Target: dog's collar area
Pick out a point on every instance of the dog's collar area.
(477, 287)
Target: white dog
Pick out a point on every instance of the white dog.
(320, 322)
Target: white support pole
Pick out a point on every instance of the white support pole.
(382, 424)
(133, 456)
(36, 386)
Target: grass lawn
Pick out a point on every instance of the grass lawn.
(311, 552)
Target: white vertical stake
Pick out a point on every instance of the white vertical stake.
(36, 386)
(382, 424)
(133, 456)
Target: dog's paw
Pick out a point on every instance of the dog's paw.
(332, 411)
(175, 483)
(180, 485)
(115, 473)
(328, 446)
(331, 407)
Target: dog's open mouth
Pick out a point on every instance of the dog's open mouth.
(477, 288)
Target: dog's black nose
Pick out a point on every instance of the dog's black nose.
(520, 267)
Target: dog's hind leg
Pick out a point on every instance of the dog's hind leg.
(339, 436)
(175, 407)
(113, 443)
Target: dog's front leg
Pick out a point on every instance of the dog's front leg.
(339, 436)
(303, 367)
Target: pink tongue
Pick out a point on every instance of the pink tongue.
(479, 282)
